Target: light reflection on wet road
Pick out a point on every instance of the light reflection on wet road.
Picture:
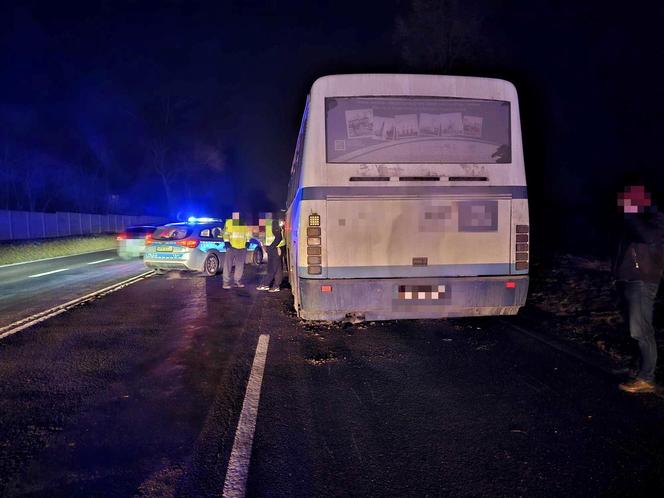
(139, 393)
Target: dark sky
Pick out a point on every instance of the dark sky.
(88, 89)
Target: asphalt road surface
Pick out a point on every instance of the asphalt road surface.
(140, 393)
(33, 287)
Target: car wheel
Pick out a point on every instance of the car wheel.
(257, 256)
(210, 266)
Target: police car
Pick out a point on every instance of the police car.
(196, 245)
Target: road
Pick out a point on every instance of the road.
(33, 287)
(140, 393)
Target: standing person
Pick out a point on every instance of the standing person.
(274, 268)
(236, 238)
(638, 268)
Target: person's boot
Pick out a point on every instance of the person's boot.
(637, 386)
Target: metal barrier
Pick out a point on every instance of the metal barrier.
(21, 225)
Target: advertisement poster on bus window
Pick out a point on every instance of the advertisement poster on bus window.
(359, 123)
(417, 130)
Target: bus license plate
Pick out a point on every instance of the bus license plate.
(164, 249)
(421, 292)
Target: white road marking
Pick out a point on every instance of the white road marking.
(47, 273)
(238, 466)
(101, 261)
(42, 316)
(56, 257)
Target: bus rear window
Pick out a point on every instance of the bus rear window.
(417, 130)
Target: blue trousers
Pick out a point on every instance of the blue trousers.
(639, 301)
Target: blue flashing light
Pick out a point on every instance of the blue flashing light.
(194, 219)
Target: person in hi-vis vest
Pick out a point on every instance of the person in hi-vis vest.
(274, 239)
(236, 236)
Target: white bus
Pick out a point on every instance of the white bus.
(407, 199)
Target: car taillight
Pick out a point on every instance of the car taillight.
(522, 247)
(148, 239)
(121, 236)
(314, 250)
(190, 243)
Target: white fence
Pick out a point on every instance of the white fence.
(21, 225)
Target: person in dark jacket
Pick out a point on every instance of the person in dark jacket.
(274, 268)
(638, 268)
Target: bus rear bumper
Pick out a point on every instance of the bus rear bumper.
(404, 298)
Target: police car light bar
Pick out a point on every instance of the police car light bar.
(194, 219)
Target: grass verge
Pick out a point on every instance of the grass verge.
(30, 250)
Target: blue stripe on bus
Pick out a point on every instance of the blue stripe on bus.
(473, 270)
(321, 193)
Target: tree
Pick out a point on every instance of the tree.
(165, 149)
(439, 35)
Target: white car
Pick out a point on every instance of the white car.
(131, 242)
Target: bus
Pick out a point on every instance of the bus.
(407, 199)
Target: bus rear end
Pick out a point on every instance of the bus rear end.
(423, 209)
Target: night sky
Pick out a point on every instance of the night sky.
(184, 107)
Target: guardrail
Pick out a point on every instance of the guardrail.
(22, 225)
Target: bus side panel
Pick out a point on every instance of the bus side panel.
(292, 235)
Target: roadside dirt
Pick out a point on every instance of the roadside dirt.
(576, 297)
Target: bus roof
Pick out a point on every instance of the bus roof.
(414, 84)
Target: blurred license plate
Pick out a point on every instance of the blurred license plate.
(164, 249)
(421, 292)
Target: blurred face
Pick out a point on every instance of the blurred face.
(634, 199)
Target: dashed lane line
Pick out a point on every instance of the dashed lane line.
(47, 273)
(42, 316)
(100, 261)
(238, 465)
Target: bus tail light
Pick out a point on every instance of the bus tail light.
(522, 246)
(510, 285)
(314, 249)
(326, 288)
(189, 243)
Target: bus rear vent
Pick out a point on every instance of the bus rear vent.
(369, 178)
(419, 178)
(468, 179)
(420, 261)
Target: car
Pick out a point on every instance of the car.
(196, 245)
(131, 242)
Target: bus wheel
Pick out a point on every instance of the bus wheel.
(210, 266)
(257, 257)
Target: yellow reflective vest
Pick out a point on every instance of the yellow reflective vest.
(269, 235)
(237, 235)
